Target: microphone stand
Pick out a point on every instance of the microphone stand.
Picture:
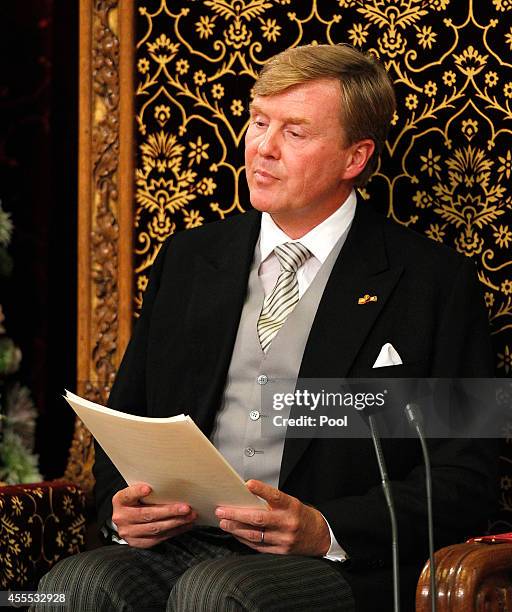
(392, 515)
(413, 414)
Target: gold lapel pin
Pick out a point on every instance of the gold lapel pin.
(366, 299)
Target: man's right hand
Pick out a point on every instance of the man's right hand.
(145, 525)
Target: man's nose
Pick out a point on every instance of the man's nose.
(269, 145)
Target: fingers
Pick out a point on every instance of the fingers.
(274, 497)
(288, 527)
(150, 513)
(142, 514)
(248, 533)
(268, 540)
(145, 525)
(156, 528)
(148, 542)
(262, 540)
(131, 496)
(247, 526)
(257, 518)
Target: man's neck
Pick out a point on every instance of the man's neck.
(296, 225)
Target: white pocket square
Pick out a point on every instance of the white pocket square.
(388, 356)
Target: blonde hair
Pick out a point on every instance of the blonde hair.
(367, 95)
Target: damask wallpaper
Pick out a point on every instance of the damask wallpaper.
(446, 170)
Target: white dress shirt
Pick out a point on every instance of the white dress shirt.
(320, 241)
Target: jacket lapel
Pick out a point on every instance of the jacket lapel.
(342, 325)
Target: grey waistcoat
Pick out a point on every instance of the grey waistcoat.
(237, 432)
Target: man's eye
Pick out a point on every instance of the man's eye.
(295, 134)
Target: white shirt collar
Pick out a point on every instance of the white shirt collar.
(320, 240)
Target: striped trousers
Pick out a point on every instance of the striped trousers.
(196, 573)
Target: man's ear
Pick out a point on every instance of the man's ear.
(359, 154)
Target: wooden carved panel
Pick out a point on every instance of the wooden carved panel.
(105, 207)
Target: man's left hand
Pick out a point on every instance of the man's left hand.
(288, 527)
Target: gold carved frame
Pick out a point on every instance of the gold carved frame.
(105, 205)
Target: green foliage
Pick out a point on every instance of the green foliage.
(5, 227)
(10, 356)
(17, 465)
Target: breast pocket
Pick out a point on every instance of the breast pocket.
(416, 369)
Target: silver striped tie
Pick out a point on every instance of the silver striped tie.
(285, 295)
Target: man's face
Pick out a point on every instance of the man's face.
(296, 163)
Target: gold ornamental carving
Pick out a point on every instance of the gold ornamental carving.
(105, 223)
(105, 229)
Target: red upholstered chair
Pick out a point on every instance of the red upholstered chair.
(40, 524)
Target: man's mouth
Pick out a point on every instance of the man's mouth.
(263, 175)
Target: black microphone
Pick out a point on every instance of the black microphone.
(391, 507)
(414, 417)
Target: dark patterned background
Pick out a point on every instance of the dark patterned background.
(446, 171)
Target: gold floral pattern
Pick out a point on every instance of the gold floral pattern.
(39, 525)
(447, 166)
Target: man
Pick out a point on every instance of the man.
(275, 293)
